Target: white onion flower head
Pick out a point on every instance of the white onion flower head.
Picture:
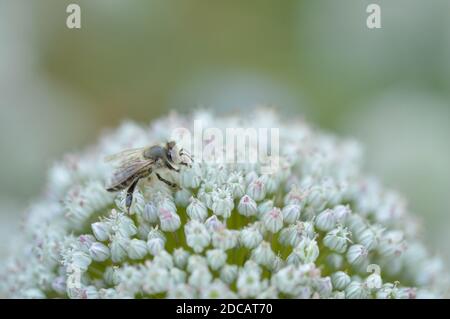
(309, 229)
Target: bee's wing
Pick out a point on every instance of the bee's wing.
(125, 155)
(130, 164)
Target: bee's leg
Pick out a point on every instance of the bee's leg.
(182, 152)
(129, 198)
(170, 166)
(166, 181)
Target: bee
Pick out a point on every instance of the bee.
(135, 164)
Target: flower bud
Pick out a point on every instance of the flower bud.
(342, 212)
(81, 260)
(292, 234)
(125, 226)
(356, 254)
(236, 184)
(340, 280)
(291, 213)
(216, 258)
(287, 280)
(369, 237)
(157, 280)
(253, 266)
(197, 236)
(265, 207)
(247, 206)
(169, 220)
(206, 192)
(225, 239)
(323, 286)
(180, 257)
(374, 281)
(177, 276)
(138, 203)
(277, 264)
(392, 244)
(250, 237)
(305, 252)
(118, 248)
(228, 273)
(99, 252)
(250, 177)
(356, 290)
(182, 197)
(101, 230)
(222, 204)
(316, 198)
(111, 277)
(337, 239)
(196, 261)
(332, 190)
(150, 213)
(248, 283)
(356, 225)
(191, 177)
(85, 242)
(335, 261)
(137, 249)
(200, 277)
(163, 259)
(273, 220)
(326, 220)
(295, 196)
(288, 236)
(263, 254)
(212, 223)
(270, 183)
(197, 210)
(257, 189)
(155, 245)
(166, 202)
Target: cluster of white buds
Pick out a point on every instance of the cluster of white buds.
(314, 228)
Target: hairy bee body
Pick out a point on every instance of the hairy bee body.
(135, 164)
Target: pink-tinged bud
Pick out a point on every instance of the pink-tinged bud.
(273, 220)
(257, 189)
(168, 220)
(247, 206)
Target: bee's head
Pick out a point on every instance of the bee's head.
(178, 156)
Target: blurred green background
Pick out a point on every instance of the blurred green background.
(389, 88)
